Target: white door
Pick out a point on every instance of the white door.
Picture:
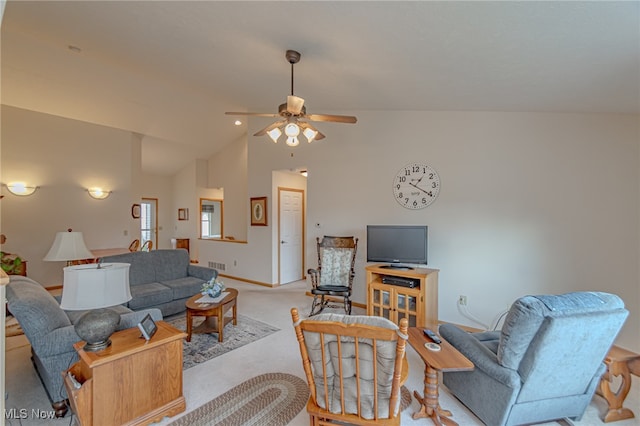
(291, 211)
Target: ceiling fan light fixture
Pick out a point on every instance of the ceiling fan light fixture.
(292, 111)
(274, 134)
(310, 134)
(292, 130)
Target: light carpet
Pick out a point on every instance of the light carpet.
(204, 347)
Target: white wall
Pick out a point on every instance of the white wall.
(63, 157)
(228, 171)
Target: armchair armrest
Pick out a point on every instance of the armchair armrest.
(202, 272)
(482, 358)
(58, 341)
(314, 274)
(61, 339)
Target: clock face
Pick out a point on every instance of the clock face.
(416, 186)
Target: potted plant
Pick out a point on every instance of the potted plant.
(12, 264)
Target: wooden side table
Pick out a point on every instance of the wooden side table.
(623, 363)
(214, 314)
(446, 359)
(132, 382)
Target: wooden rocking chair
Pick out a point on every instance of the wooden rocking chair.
(355, 366)
(334, 276)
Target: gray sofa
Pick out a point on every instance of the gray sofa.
(51, 333)
(544, 364)
(162, 279)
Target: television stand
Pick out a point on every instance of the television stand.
(418, 304)
(397, 267)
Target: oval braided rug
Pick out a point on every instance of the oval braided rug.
(271, 399)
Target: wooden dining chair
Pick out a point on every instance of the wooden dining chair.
(135, 244)
(355, 367)
(147, 246)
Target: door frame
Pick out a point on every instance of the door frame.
(303, 222)
(155, 231)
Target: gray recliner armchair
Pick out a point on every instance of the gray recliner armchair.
(51, 332)
(545, 363)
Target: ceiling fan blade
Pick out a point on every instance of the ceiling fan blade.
(294, 104)
(270, 127)
(253, 114)
(335, 118)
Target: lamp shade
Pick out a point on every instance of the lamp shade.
(95, 286)
(68, 246)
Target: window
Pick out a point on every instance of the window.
(149, 221)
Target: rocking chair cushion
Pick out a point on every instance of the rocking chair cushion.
(336, 266)
(333, 290)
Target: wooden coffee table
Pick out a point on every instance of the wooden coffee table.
(446, 359)
(214, 314)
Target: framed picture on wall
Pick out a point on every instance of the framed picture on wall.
(135, 211)
(259, 211)
(183, 214)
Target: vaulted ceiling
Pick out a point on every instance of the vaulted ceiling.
(170, 69)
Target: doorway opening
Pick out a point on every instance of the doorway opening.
(149, 221)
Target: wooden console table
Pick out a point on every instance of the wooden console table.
(446, 359)
(133, 381)
(623, 363)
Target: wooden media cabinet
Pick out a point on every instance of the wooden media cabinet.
(418, 304)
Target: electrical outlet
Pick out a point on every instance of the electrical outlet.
(462, 300)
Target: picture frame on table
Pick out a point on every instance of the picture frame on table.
(259, 211)
(183, 214)
(147, 327)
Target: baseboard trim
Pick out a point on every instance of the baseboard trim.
(249, 281)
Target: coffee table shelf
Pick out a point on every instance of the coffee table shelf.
(215, 319)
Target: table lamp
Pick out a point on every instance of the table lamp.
(96, 287)
(68, 246)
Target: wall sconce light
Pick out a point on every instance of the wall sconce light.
(98, 193)
(21, 189)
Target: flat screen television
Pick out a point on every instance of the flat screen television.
(397, 245)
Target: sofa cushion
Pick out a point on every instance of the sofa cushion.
(184, 287)
(170, 264)
(142, 270)
(150, 294)
(527, 314)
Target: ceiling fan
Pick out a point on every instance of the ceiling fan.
(294, 115)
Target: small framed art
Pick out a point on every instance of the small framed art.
(259, 211)
(183, 214)
(135, 211)
(147, 327)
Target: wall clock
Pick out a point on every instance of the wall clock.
(416, 186)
